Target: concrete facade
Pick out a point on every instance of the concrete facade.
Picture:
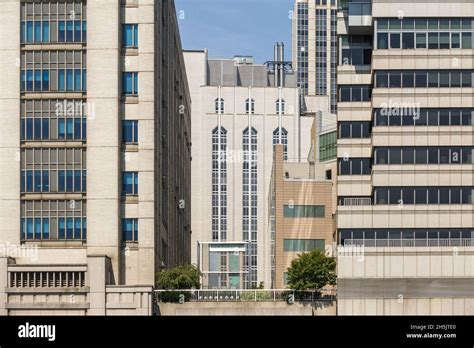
(235, 82)
(398, 255)
(75, 226)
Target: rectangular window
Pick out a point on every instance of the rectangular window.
(130, 183)
(408, 40)
(421, 40)
(304, 211)
(130, 132)
(394, 40)
(130, 35)
(433, 41)
(130, 230)
(303, 245)
(130, 83)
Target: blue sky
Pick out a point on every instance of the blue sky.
(235, 27)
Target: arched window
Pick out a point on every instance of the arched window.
(280, 106)
(283, 139)
(247, 106)
(221, 105)
(249, 205)
(219, 184)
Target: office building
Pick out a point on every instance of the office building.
(405, 148)
(315, 54)
(240, 110)
(94, 154)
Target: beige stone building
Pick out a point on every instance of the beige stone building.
(405, 147)
(232, 168)
(94, 154)
(301, 211)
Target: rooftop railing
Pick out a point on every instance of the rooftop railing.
(435, 242)
(245, 295)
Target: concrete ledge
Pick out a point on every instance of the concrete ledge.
(248, 308)
(47, 290)
(43, 305)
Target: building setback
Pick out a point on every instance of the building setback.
(405, 158)
(232, 98)
(94, 152)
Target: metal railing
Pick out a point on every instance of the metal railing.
(245, 295)
(435, 242)
(357, 201)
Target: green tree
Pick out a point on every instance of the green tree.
(182, 277)
(312, 271)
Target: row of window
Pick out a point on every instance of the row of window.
(355, 129)
(355, 93)
(423, 78)
(62, 80)
(303, 245)
(69, 80)
(69, 129)
(38, 31)
(220, 106)
(423, 195)
(53, 228)
(53, 181)
(304, 211)
(423, 155)
(355, 166)
(68, 31)
(68, 229)
(430, 40)
(53, 129)
(430, 23)
(405, 233)
(409, 116)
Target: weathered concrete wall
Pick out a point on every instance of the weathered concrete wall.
(248, 308)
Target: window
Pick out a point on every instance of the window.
(355, 93)
(130, 83)
(130, 183)
(408, 41)
(327, 146)
(130, 132)
(280, 136)
(424, 195)
(130, 35)
(355, 166)
(53, 220)
(304, 211)
(382, 41)
(250, 199)
(250, 107)
(394, 40)
(418, 79)
(53, 170)
(280, 106)
(303, 245)
(44, 71)
(219, 107)
(130, 230)
(53, 23)
(219, 184)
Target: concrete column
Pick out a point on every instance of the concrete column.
(98, 268)
(10, 114)
(103, 130)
